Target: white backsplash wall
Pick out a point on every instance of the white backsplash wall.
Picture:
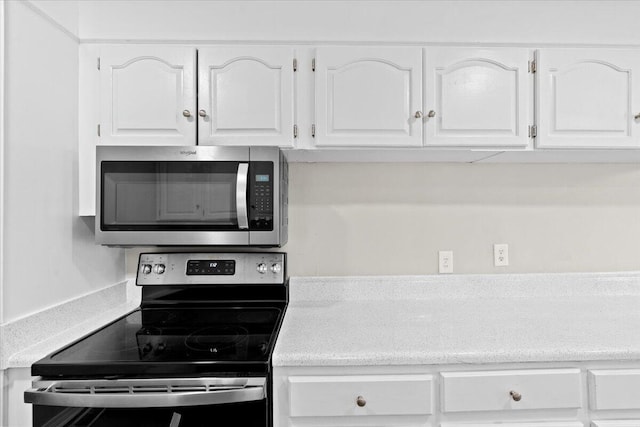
(388, 219)
(49, 252)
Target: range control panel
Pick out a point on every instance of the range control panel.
(210, 268)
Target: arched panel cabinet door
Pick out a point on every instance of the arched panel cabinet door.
(368, 96)
(246, 96)
(147, 95)
(478, 97)
(588, 98)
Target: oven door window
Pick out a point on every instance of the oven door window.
(168, 196)
(245, 414)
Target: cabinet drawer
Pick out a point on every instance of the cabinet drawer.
(615, 423)
(541, 424)
(614, 389)
(511, 390)
(343, 395)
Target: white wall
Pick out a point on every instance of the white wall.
(60, 13)
(507, 21)
(49, 252)
(393, 219)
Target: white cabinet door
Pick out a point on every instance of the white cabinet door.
(147, 95)
(587, 98)
(477, 97)
(246, 96)
(368, 96)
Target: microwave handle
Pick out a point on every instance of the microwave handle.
(241, 195)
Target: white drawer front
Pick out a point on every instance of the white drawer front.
(542, 424)
(491, 390)
(381, 395)
(616, 423)
(615, 389)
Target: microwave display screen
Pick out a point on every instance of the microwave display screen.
(262, 178)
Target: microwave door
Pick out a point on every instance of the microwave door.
(174, 202)
(241, 196)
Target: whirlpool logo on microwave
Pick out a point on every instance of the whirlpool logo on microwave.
(188, 153)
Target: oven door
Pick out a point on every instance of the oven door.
(154, 402)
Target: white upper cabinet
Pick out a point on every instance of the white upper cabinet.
(246, 96)
(587, 98)
(147, 95)
(478, 97)
(368, 96)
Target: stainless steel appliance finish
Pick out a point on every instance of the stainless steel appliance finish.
(163, 195)
(169, 269)
(145, 392)
(197, 352)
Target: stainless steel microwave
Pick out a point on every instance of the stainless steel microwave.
(191, 195)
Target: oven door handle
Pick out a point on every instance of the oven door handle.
(241, 195)
(48, 397)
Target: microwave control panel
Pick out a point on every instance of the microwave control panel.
(261, 196)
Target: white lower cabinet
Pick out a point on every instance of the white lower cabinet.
(16, 413)
(584, 394)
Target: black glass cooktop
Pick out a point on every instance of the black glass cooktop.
(172, 341)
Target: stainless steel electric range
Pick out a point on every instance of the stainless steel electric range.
(196, 352)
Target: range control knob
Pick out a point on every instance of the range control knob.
(262, 268)
(146, 268)
(276, 268)
(159, 268)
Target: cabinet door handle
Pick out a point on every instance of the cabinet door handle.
(515, 395)
(418, 115)
(431, 113)
(186, 113)
(360, 401)
(202, 113)
(637, 116)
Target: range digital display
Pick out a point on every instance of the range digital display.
(211, 267)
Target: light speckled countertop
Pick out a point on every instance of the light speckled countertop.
(29, 339)
(460, 319)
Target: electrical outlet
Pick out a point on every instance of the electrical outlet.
(500, 254)
(445, 262)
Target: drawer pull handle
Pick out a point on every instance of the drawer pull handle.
(515, 395)
(360, 401)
